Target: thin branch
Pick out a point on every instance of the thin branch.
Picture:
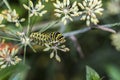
(24, 57)
(62, 27)
(112, 25)
(9, 38)
(32, 48)
(28, 27)
(76, 32)
(77, 46)
(106, 29)
(107, 26)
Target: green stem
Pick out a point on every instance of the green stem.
(7, 4)
(24, 54)
(32, 48)
(28, 27)
(9, 38)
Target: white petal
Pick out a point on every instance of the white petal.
(26, 7)
(81, 6)
(84, 3)
(31, 4)
(64, 2)
(65, 22)
(46, 49)
(83, 17)
(3, 66)
(57, 10)
(31, 14)
(57, 58)
(88, 22)
(57, 6)
(57, 14)
(68, 2)
(22, 20)
(74, 4)
(58, 2)
(52, 54)
(1, 62)
(16, 24)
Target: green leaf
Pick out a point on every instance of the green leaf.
(113, 72)
(44, 28)
(91, 74)
(21, 75)
(8, 71)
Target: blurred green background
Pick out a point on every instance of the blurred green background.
(96, 46)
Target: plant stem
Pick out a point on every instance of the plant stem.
(28, 27)
(9, 38)
(24, 57)
(88, 28)
(62, 27)
(77, 32)
(32, 48)
(7, 4)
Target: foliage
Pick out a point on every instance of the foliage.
(91, 74)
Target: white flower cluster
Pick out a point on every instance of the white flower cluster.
(54, 49)
(89, 8)
(35, 10)
(8, 57)
(65, 10)
(12, 16)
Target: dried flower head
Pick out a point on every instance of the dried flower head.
(8, 57)
(116, 40)
(35, 10)
(90, 9)
(12, 16)
(65, 10)
(1, 19)
(54, 47)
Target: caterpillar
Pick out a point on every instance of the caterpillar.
(47, 38)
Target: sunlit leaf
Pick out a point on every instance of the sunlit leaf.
(10, 70)
(91, 74)
(113, 72)
(20, 75)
